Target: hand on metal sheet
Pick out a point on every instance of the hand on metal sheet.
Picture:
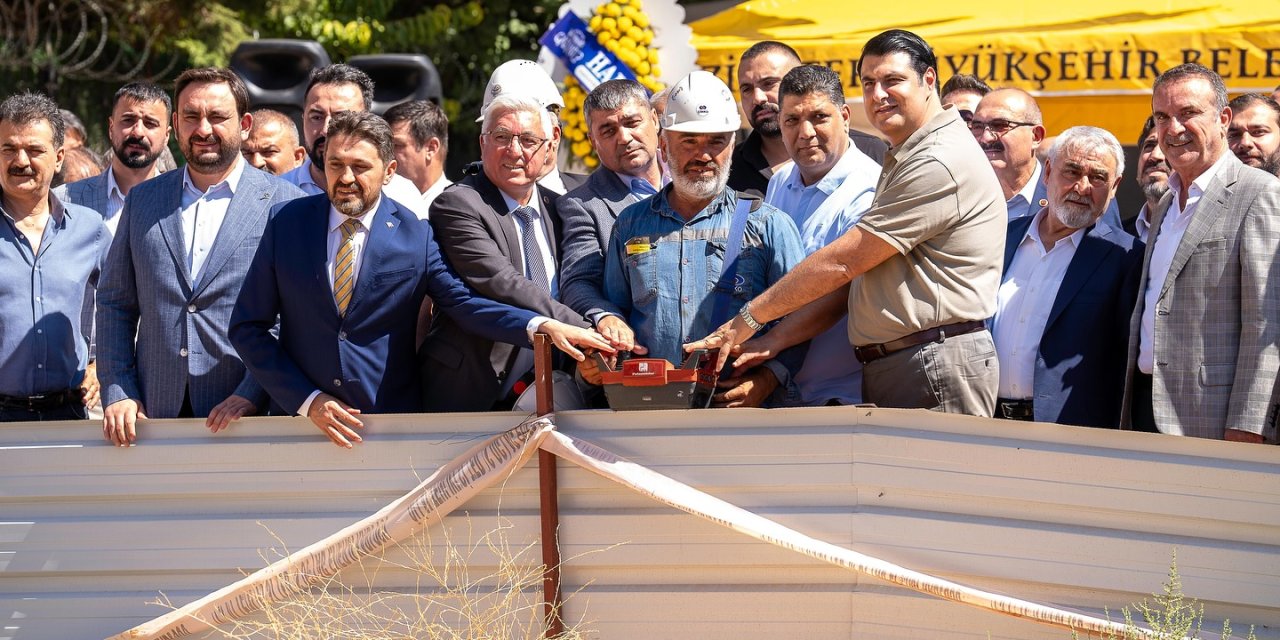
(90, 385)
(119, 422)
(228, 411)
(567, 337)
(336, 419)
(748, 390)
(1236, 435)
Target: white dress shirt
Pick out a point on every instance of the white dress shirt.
(1142, 223)
(115, 202)
(334, 244)
(1167, 238)
(434, 190)
(1023, 304)
(202, 214)
(1020, 204)
(554, 182)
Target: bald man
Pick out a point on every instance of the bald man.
(1008, 126)
(272, 144)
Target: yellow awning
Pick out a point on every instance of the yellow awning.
(1087, 61)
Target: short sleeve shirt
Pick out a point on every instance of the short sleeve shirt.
(939, 204)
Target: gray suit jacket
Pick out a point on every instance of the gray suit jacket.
(90, 192)
(588, 213)
(159, 333)
(1218, 317)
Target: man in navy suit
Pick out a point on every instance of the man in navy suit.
(1069, 285)
(346, 274)
(175, 268)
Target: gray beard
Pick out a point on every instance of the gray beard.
(1155, 190)
(702, 189)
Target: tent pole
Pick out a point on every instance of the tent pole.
(549, 499)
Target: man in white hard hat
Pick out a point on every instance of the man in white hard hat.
(666, 264)
(920, 270)
(528, 79)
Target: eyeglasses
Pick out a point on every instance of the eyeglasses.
(502, 139)
(998, 128)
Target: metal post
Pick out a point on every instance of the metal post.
(550, 502)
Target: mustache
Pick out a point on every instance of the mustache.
(22, 171)
(766, 107)
(1152, 165)
(209, 139)
(995, 145)
(694, 164)
(141, 142)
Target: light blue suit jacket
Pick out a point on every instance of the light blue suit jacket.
(90, 192)
(159, 333)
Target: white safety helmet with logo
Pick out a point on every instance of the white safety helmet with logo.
(701, 103)
(521, 78)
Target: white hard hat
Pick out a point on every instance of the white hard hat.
(701, 103)
(521, 78)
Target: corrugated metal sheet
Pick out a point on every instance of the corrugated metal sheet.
(1080, 518)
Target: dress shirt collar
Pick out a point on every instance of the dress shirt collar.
(1033, 234)
(513, 204)
(336, 218)
(113, 187)
(1028, 190)
(834, 178)
(627, 178)
(1142, 223)
(231, 182)
(57, 213)
(1198, 185)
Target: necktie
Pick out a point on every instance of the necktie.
(535, 268)
(642, 188)
(344, 273)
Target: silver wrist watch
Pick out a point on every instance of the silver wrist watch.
(745, 314)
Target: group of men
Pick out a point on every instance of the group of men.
(950, 268)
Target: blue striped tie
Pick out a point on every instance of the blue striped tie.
(535, 268)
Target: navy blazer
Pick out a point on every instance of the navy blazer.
(365, 358)
(1079, 373)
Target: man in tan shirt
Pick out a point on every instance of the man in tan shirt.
(920, 271)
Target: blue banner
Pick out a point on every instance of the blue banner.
(572, 41)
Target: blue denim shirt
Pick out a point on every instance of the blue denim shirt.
(660, 270)
(43, 296)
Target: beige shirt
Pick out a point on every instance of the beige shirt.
(940, 205)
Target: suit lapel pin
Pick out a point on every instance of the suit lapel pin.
(389, 225)
(1044, 202)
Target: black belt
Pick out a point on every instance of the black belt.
(51, 400)
(873, 352)
(1015, 409)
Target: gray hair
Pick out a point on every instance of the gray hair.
(1192, 70)
(1088, 139)
(613, 95)
(504, 104)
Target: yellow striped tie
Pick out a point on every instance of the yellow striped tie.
(343, 271)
